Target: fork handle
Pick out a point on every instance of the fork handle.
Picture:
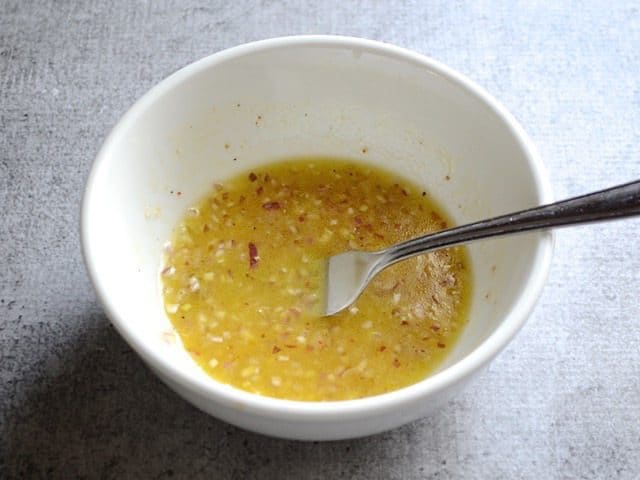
(615, 202)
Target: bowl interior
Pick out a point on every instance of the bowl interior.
(249, 106)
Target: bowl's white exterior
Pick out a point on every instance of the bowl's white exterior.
(311, 95)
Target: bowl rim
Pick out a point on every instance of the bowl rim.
(318, 411)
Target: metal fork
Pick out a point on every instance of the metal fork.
(349, 273)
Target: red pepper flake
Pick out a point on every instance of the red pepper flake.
(259, 190)
(448, 281)
(253, 177)
(271, 206)
(441, 345)
(275, 349)
(396, 362)
(357, 220)
(404, 323)
(178, 193)
(382, 348)
(301, 218)
(435, 327)
(253, 255)
(205, 227)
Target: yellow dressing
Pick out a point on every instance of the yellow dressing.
(243, 280)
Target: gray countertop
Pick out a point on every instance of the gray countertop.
(562, 401)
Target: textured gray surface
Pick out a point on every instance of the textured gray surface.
(563, 400)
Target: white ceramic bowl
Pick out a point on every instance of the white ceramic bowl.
(303, 96)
